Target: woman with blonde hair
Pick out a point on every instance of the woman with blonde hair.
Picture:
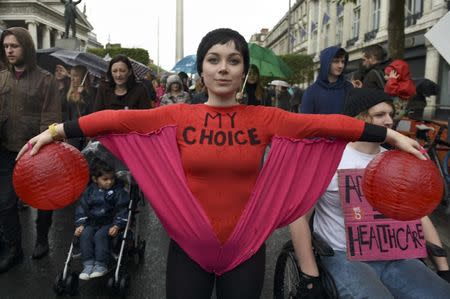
(79, 100)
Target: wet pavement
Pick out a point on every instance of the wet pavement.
(35, 278)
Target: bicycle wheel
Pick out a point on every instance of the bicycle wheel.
(287, 276)
(435, 158)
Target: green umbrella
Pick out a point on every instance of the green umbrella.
(269, 64)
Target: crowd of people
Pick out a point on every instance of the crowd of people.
(202, 170)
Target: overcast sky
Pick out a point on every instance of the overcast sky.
(134, 23)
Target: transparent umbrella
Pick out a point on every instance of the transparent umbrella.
(187, 64)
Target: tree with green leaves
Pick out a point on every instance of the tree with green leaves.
(137, 54)
(302, 67)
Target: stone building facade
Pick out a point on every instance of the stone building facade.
(45, 21)
(312, 25)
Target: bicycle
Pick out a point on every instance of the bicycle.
(429, 134)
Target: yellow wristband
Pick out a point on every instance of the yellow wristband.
(54, 132)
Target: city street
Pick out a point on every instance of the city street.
(34, 279)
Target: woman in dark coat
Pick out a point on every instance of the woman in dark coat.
(122, 91)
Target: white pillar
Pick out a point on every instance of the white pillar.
(364, 19)
(333, 24)
(32, 28)
(179, 31)
(45, 37)
(384, 13)
(309, 47)
(347, 28)
(432, 73)
(320, 27)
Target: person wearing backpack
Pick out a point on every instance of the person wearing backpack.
(373, 72)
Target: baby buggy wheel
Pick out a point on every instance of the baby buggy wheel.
(72, 284)
(68, 285)
(59, 284)
(124, 285)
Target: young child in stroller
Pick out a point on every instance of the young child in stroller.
(100, 214)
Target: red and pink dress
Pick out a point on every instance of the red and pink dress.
(201, 169)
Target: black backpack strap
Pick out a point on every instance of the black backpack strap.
(380, 77)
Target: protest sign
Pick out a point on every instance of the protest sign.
(370, 235)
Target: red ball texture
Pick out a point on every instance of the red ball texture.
(53, 178)
(401, 186)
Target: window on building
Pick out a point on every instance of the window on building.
(413, 11)
(355, 20)
(376, 14)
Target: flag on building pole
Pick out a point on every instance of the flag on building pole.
(339, 9)
(325, 18)
(302, 29)
(293, 39)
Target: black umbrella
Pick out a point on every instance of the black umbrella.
(96, 65)
(139, 69)
(47, 62)
(49, 58)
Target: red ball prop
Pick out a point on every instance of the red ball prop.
(402, 187)
(53, 178)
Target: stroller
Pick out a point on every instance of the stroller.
(127, 244)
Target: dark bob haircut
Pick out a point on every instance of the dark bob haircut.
(100, 167)
(222, 36)
(121, 58)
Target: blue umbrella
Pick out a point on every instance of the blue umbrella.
(187, 64)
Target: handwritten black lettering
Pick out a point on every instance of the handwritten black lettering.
(352, 186)
(204, 136)
(220, 137)
(383, 238)
(185, 135)
(208, 116)
(232, 118)
(253, 137)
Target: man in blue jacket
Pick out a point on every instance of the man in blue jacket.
(327, 94)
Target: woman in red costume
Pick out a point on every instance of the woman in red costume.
(200, 167)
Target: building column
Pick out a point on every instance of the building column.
(384, 14)
(320, 27)
(432, 73)
(32, 29)
(3, 25)
(309, 45)
(347, 27)
(179, 35)
(45, 37)
(333, 21)
(365, 11)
